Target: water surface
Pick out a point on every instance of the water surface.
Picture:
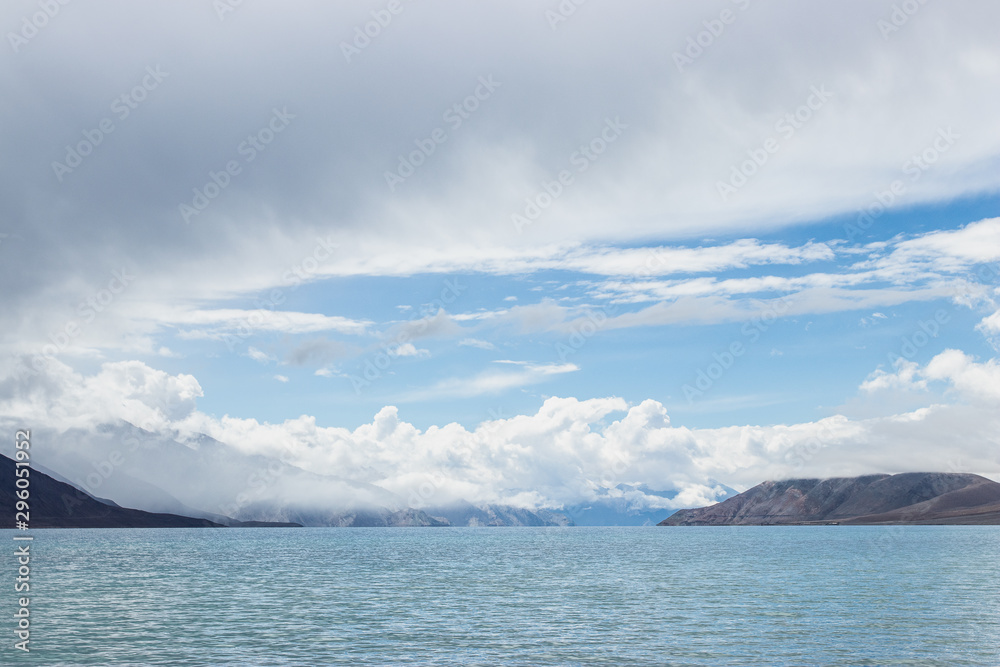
(835, 595)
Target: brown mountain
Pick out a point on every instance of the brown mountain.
(906, 498)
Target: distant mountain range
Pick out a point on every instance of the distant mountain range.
(629, 505)
(208, 479)
(467, 514)
(906, 498)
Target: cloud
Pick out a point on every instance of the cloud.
(475, 342)
(61, 398)
(408, 350)
(259, 356)
(979, 382)
(281, 378)
(440, 324)
(872, 319)
(318, 352)
(568, 451)
(973, 381)
(658, 181)
(492, 382)
(990, 327)
(232, 319)
(906, 377)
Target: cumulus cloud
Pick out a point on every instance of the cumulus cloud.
(59, 397)
(408, 350)
(569, 451)
(974, 381)
(990, 327)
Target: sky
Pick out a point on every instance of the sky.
(524, 249)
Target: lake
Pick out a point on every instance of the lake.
(830, 595)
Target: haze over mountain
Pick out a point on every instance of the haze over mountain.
(201, 477)
(55, 504)
(628, 505)
(906, 498)
(204, 478)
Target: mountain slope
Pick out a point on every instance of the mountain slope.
(953, 498)
(55, 504)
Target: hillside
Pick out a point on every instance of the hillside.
(55, 504)
(906, 498)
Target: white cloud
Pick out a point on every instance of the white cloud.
(566, 452)
(258, 355)
(990, 327)
(905, 377)
(408, 350)
(971, 380)
(978, 382)
(232, 319)
(475, 342)
(281, 378)
(62, 398)
(491, 382)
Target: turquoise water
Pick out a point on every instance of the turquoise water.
(833, 595)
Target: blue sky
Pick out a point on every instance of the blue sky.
(796, 367)
(509, 256)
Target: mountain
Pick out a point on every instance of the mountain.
(339, 517)
(631, 505)
(467, 514)
(55, 504)
(906, 498)
(158, 472)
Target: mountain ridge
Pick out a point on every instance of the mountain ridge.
(904, 498)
